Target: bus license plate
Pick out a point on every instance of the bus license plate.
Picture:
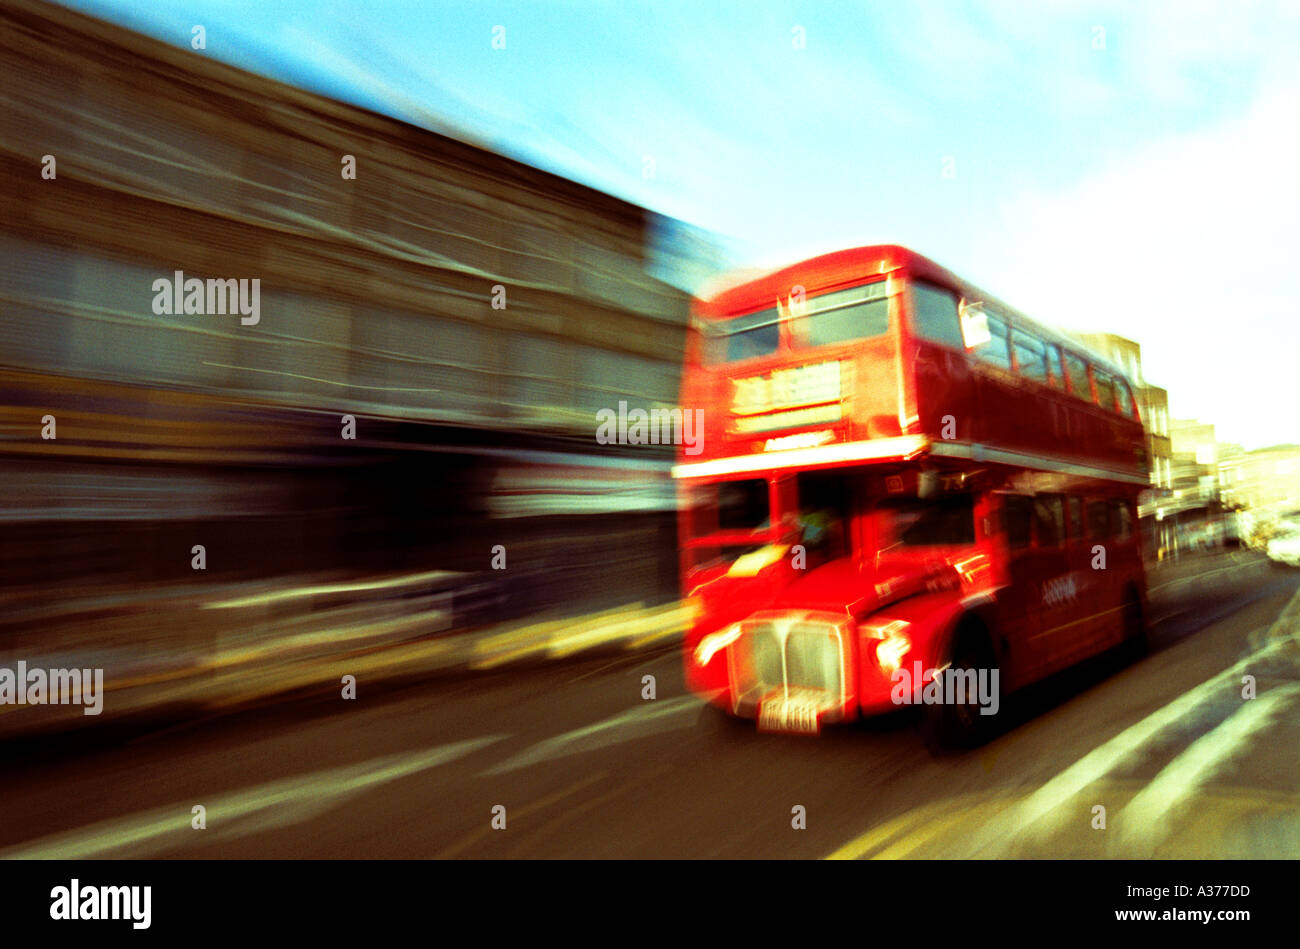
(794, 715)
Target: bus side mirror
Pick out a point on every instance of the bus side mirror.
(974, 324)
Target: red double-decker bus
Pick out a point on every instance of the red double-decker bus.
(907, 492)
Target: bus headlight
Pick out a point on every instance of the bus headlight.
(715, 642)
(890, 652)
(893, 646)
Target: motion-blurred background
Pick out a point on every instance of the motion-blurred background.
(439, 324)
(473, 422)
(393, 469)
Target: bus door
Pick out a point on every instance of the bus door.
(1098, 589)
(1019, 600)
(1056, 591)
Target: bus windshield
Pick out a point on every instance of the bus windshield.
(948, 521)
(837, 317)
(744, 337)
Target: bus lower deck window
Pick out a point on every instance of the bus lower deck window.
(944, 521)
(1017, 517)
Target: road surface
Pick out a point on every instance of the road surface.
(584, 766)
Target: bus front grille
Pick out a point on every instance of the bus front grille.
(775, 655)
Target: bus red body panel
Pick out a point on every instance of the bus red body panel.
(897, 472)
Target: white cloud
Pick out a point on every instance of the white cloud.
(1188, 246)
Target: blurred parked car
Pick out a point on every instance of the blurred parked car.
(1284, 548)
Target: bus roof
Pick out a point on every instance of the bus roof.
(842, 267)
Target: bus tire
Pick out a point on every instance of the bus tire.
(953, 727)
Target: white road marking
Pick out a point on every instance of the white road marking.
(322, 589)
(649, 717)
(1003, 827)
(1144, 821)
(620, 661)
(269, 806)
(1049, 798)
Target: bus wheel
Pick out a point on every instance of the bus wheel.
(948, 726)
(1136, 642)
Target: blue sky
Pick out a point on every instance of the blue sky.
(1118, 166)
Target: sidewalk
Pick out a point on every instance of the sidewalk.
(222, 646)
(1198, 563)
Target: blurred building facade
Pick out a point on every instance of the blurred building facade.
(1264, 485)
(472, 314)
(1195, 505)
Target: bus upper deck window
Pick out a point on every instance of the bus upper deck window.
(1076, 370)
(1125, 399)
(935, 316)
(1031, 358)
(1054, 376)
(996, 350)
(741, 337)
(855, 313)
(1105, 389)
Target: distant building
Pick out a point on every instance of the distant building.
(1196, 438)
(1265, 483)
(1153, 404)
(1194, 506)
(1124, 353)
